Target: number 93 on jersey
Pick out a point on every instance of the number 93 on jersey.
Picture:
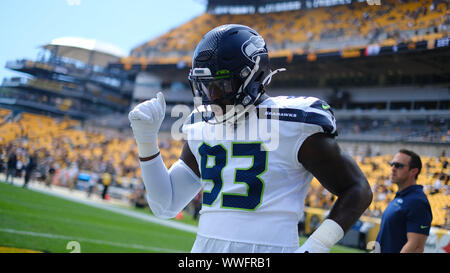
(233, 176)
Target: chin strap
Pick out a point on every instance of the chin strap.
(264, 83)
(238, 116)
(268, 79)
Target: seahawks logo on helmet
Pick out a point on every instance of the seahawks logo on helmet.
(253, 47)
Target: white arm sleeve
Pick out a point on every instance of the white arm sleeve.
(169, 191)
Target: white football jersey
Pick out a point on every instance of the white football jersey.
(254, 186)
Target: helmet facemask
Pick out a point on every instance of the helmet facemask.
(224, 97)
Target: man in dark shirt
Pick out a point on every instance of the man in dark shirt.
(29, 168)
(406, 222)
(11, 166)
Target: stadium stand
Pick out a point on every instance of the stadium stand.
(379, 66)
(315, 30)
(64, 141)
(382, 68)
(70, 77)
(60, 142)
(377, 172)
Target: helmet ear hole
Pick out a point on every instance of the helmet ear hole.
(204, 56)
(245, 72)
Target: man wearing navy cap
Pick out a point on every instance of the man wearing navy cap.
(406, 222)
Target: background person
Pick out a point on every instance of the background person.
(406, 222)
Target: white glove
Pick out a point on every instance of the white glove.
(146, 119)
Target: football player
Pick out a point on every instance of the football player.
(252, 196)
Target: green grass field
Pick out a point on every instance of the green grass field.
(37, 221)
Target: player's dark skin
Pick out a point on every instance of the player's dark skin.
(337, 172)
(340, 175)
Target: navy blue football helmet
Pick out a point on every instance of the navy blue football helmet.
(230, 66)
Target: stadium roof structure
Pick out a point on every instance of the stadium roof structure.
(421, 62)
(88, 51)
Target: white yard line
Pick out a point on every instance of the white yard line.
(138, 215)
(80, 198)
(88, 240)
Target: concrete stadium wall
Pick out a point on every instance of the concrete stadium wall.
(366, 148)
(372, 148)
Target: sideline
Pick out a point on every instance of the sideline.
(80, 197)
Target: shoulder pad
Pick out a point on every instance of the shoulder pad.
(308, 110)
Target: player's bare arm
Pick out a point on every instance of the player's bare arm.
(340, 175)
(188, 157)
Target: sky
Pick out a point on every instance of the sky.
(25, 25)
